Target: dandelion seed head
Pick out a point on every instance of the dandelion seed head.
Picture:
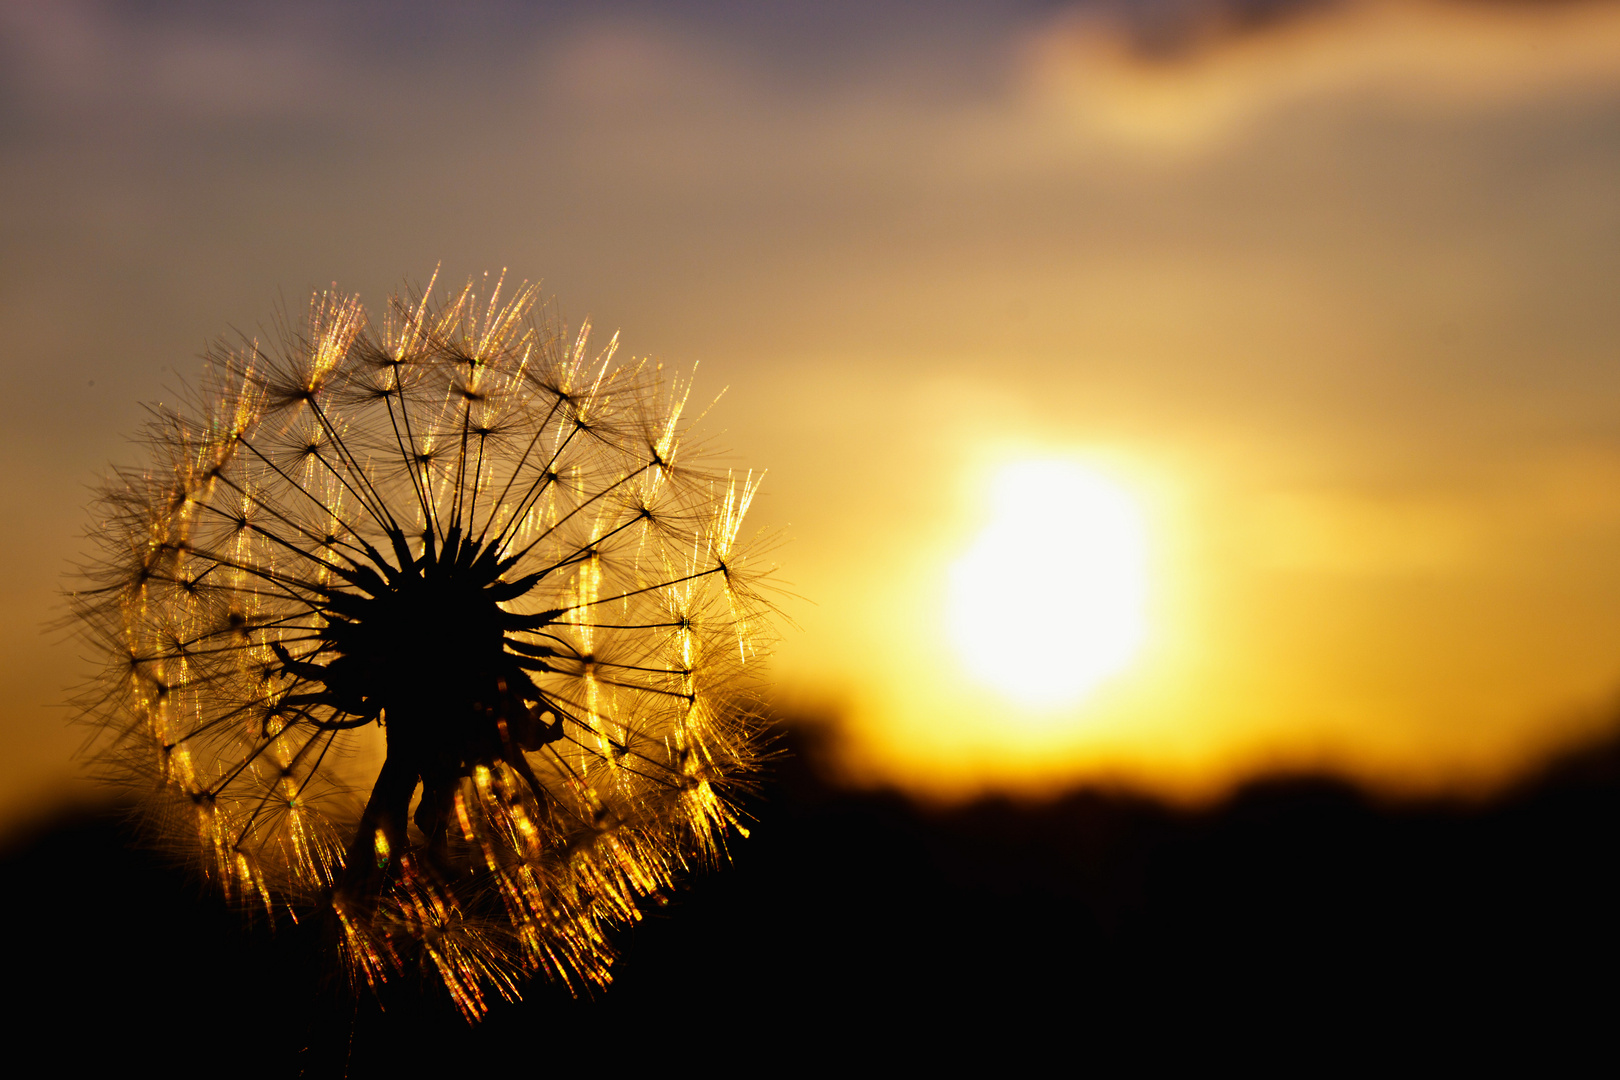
(464, 544)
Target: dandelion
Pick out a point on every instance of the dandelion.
(452, 562)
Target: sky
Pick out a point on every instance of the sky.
(1326, 290)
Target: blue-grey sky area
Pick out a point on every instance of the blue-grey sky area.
(1335, 281)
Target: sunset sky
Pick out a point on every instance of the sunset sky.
(1323, 293)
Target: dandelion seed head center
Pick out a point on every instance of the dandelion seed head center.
(427, 652)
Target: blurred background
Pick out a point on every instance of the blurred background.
(1319, 296)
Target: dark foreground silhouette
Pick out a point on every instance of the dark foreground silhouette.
(1299, 921)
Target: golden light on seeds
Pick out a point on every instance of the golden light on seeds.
(1051, 597)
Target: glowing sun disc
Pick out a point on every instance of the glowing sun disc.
(1051, 598)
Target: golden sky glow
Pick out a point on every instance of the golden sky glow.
(1330, 300)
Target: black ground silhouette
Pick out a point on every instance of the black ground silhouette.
(1297, 917)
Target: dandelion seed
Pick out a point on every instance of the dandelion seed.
(461, 544)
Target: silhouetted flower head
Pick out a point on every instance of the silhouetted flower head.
(452, 561)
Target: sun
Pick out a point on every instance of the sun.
(1051, 597)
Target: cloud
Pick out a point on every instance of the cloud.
(1218, 72)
